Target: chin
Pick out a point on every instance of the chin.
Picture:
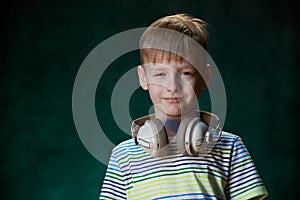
(174, 113)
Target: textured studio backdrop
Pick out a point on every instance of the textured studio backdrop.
(255, 45)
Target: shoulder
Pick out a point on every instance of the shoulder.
(126, 145)
(229, 143)
(227, 138)
(126, 149)
(233, 145)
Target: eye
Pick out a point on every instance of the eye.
(160, 74)
(187, 73)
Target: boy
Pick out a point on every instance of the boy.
(177, 153)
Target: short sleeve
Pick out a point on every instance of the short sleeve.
(243, 182)
(113, 186)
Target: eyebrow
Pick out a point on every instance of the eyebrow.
(163, 66)
(157, 67)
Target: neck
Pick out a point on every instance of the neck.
(172, 122)
(172, 127)
(178, 118)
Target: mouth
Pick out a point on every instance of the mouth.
(173, 99)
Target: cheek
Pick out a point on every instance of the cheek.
(193, 88)
(154, 91)
(197, 89)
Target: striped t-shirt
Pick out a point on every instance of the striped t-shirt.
(227, 172)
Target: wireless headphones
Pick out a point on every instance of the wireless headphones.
(195, 136)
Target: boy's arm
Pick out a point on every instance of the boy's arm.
(244, 181)
(113, 186)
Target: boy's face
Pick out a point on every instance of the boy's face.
(173, 87)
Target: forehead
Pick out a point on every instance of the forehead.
(169, 65)
(150, 55)
(153, 56)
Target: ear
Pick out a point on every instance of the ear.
(142, 77)
(206, 76)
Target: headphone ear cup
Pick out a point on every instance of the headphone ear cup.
(198, 135)
(190, 136)
(153, 138)
(181, 134)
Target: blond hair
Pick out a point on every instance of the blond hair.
(156, 35)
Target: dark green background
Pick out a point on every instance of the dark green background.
(254, 44)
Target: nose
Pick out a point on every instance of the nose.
(174, 83)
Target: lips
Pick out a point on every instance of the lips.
(173, 99)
